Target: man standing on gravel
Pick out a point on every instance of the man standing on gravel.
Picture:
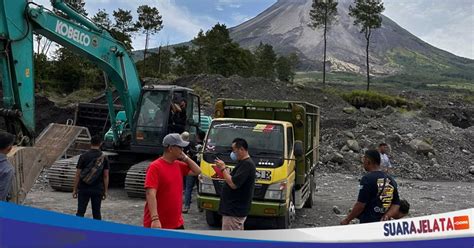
(378, 193)
(384, 160)
(92, 179)
(7, 172)
(164, 185)
(237, 192)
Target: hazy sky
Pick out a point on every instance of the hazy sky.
(448, 25)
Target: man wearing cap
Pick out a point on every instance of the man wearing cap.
(6, 169)
(164, 185)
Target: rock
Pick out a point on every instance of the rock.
(349, 134)
(326, 158)
(368, 112)
(325, 98)
(421, 146)
(379, 134)
(337, 158)
(430, 155)
(349, 110)
(336, 210)
(419, 177)
(353, 145)
(436, 125)
(395, 138)
(433, 161)
(416, 166)
(471, 169)
(450, 103)
(466, 151)
(345, 148)
(410, 135)
(388, 110)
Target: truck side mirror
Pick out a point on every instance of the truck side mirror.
(298, 148)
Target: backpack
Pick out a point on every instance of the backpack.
(93, 170)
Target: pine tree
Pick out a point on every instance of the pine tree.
(367, 14)
(323, 15)
(150, 23)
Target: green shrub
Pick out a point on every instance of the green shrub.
(376, 100)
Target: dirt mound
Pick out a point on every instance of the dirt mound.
(47, 112)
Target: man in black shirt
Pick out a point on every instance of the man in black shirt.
(378, 193)
(237, 192)
(96, 188)
(177, 120)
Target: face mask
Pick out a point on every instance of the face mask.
(233, 156)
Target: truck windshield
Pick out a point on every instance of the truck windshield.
(264, 140)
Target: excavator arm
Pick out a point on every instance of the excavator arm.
(18, 21)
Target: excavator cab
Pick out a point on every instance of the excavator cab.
(156, 117)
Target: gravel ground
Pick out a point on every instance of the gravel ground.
(333, 190)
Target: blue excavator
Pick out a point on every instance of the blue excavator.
(137, 125)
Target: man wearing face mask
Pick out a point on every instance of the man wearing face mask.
(237, 192)
(7, 171)
(164, 185)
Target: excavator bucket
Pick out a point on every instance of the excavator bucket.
(54, 142)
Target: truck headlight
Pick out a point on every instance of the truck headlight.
(206, 185)
(276, 191)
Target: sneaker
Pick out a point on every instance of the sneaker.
(185, 209)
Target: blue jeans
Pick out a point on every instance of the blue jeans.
(190, 182)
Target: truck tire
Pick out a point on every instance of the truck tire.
(312, 188)
(213, 219)
(284, 222)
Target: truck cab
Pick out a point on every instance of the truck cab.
(283, 140)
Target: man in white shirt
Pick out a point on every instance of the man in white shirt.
(384, 160)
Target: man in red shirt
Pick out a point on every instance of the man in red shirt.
(164, 185)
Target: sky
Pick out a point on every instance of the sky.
(448, 25)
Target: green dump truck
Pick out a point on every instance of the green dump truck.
(283, 138)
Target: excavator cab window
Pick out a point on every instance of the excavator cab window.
(153, 116)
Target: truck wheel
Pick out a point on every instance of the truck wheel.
(213, 219)
(284, 222)
(312, 186)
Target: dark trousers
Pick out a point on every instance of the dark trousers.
(188, 191)
(83, 200)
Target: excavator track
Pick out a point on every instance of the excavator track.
(61, 174)
(135, 180)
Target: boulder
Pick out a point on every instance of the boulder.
(337, 158)
(395, 138)
(421, 146)
(368, 112)
(353, 145)
(471, 169)
(349, 134)
(345, 148)
(389, 110)
(435, 125)
(379, 134)
(349, 110)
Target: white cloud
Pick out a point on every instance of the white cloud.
(222, 4)
(443, 24)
